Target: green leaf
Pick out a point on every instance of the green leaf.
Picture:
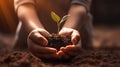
(64, 18)
(55, 17)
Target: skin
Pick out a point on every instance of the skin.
(36, 39)
(71, 29)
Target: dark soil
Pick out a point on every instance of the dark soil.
(57, 41)
(86, 58)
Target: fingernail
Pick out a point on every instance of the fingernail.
(60, 53)
(74, 41)
(62, 48)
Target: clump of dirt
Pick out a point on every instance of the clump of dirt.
(57, 41)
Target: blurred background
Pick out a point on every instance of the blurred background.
(106, 21)
(8, 18)
(105, 12)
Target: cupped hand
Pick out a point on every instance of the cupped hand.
(37, 44)
(73, 49)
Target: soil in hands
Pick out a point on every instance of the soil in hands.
(57, 41)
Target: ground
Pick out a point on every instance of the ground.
(106, 56)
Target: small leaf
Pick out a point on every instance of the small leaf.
(55, 17)
(64, 18)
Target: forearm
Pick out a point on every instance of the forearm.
(76, 19)
(28, 16)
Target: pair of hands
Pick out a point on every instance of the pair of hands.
(37, 44)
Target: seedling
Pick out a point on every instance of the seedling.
(58, 20)
(57, 41)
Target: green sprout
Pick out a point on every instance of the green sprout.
(57, 19)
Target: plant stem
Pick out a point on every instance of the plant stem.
(58, 25)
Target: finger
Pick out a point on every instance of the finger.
(62, 48)
(47, 56)
(64, 55)
(47, 50)
(67, 48)
(70, 47)
(75, 37)
(38, 38)
(60, 53)
(71, 50)
(65, 32)
(36, 48)
(44, 33)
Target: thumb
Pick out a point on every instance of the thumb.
(38, 38)
(75, 37)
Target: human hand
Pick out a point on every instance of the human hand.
(73, 49)
(37, 44)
